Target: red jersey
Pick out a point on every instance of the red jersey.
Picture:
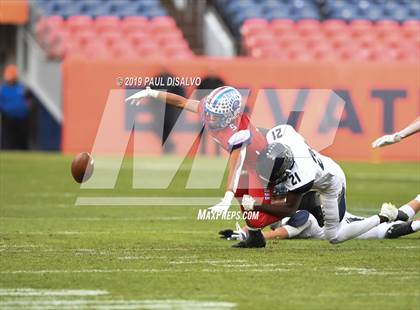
(235, 135)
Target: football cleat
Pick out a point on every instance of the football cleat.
(255, 240)
(389, 211)
(402, 216)
(398, 230)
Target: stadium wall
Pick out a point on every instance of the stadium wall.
(379, 98)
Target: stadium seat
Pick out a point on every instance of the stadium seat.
(359, 40)
(253, 26)
(359, 27)
(94, 28)
(46, 25)
(78, 23)
(307, 27)
(333, 27)
(134, 22)
(162, 23)
(107, 23)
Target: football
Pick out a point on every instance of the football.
(82, 167)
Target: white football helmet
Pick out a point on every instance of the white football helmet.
(222, 106)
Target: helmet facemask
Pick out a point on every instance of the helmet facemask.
(274, 164)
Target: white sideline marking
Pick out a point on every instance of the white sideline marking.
(388, 294)
(165, 270)
(211, 262)
(372, 272)
(83, 271)
(120, 304)
(46, 292)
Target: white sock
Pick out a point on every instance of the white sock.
(408, 210)
(417, 198)
(415, 225)
(357, 228)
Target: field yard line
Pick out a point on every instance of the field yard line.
(59, 232)
(50, 194)
(212, 262)
(148, 270)
(371, 272)
(83, 271)
(146, 201)
(121, 304)
(372, 294)
(48, 292)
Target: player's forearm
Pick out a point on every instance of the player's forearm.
(410, 129)
(171, 99)
(276, 210)
(281, 207)
(231, 171)
(279, 233)
(176, 100)
(235, 164)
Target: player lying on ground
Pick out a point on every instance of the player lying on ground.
(398, 136)
(289, 160)
(303, 225)
(222, 114)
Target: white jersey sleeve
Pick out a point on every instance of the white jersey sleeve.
(239, 138)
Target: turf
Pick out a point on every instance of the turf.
(163, 253)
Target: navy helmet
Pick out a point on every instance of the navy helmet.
(274, 163)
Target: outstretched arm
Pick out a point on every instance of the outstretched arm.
(281, 207)
(169, 98)
(398, 136)
(235, 163)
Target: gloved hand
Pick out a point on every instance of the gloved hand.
(386, 140)
(238, 234)
(229, 234)
(248, 203)
(224, 204)
(148, 92)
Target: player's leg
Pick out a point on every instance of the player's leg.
(312, 203)
(402, 228)
(332, 215)
(334, 210)
(407, 211)
(405, 228)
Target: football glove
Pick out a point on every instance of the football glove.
(248, 202)
(238, 234)
(148, 92)
(229, 234)
(386, 140)
(224, 204)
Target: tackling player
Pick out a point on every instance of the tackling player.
(303, 225)
(289, 160)
(222, 114)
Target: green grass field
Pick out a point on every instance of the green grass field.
(161, 257)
